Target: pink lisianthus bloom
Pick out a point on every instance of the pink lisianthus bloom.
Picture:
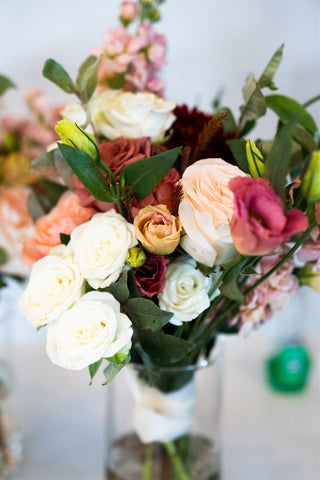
(165, 193)
(259, 223)
(63, 218)
(271, 295)
(150, 278)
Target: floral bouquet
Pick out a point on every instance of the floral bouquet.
(173, 226)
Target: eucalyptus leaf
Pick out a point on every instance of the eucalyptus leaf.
(88, 77)
(119, 289)
(164, 349)
(286, 107)
(266, 79)
(5, 84)
(88, 173)
(238, 149)
(143, 176)
(278, 159)
(145, 314)
(93, 368)
(55, 72)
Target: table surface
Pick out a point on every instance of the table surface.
(266, 435)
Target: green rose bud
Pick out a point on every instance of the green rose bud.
(74, 136)
(311, 180)
(307, 276)
(136, 257)
(255, 159)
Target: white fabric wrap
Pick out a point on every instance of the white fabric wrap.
(158, 416)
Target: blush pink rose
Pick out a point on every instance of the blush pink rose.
(150, 278)
(63, 218)
(165, 193)
(259, 223)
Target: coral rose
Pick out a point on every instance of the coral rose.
(206, 211)
(157, 229)
(63, 218)
(260, 224)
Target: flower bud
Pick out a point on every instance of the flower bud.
(311, 180)
(255, 159)
(309, 276)
(136, 257)
(128, 12)
(74, 136)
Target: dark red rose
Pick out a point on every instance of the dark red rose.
(150, 278)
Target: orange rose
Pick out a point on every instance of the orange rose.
(157, 229)
(63, 218)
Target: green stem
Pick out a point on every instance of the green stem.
(311, 101)
(147, 467)
(176, 461)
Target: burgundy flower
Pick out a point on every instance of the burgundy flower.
(150, 278)
(259, 223)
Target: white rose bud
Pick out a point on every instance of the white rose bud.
(55, 284)
(92, 329)
(117, 114)
(100, 247)
(186, 291)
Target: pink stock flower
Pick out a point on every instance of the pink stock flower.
(259, 223)
(128, 11)
(63, 218)
(165, 193)
(150, 278)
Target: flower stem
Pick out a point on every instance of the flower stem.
(176, 461)
(147, 468)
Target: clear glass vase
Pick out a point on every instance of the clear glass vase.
(164, 423)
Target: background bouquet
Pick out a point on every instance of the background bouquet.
(181, 244)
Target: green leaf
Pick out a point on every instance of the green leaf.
(254, 108)
(93, 368)
(286, 107)
(88, 77)
(238, 148)
(44, 164)
(2, 282)
(119, 289)
(110, 372)
(229, 126)
(143, 176)
(3, 256)
(55, 72)
(277, 161)
(247, 127)
(164, 349)
(53, 190)
(5, 84)
(64, 238)
(305, 139)
(132, 285)
(88, 173)
(230, 287)
(38, 205)
(146, 315)
(266, 79)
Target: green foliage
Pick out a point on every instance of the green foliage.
(88, 77)
(145, 314)
(229, 124)
(5, 84)
(110, 372)
(278, 160)
(238, 148)
(3, 256)
(93, 368)
(55, 72)
(88, 173)
(143, 176)
(285, 107)
(64, 238)
(254, 108)
(230, 287)
(119, 289)
(164, 349)
(266, 79)
(53, 190)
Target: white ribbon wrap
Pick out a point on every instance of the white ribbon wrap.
(158, 416)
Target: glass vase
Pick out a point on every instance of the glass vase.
(164, 423)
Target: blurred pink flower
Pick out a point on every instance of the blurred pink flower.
(259, 223)
(63, 218)
(150, 278)
(128, 11)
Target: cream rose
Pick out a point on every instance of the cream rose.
(55, 284)
(206, 211)
(93, 328)
(100, 247)
(117, 114)
(186, 291)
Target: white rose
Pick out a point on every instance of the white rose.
(55, 284)
(100, 247)
(117, 114)
(186, 291)
(75, 113)
(92, 329)
(206, 211)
